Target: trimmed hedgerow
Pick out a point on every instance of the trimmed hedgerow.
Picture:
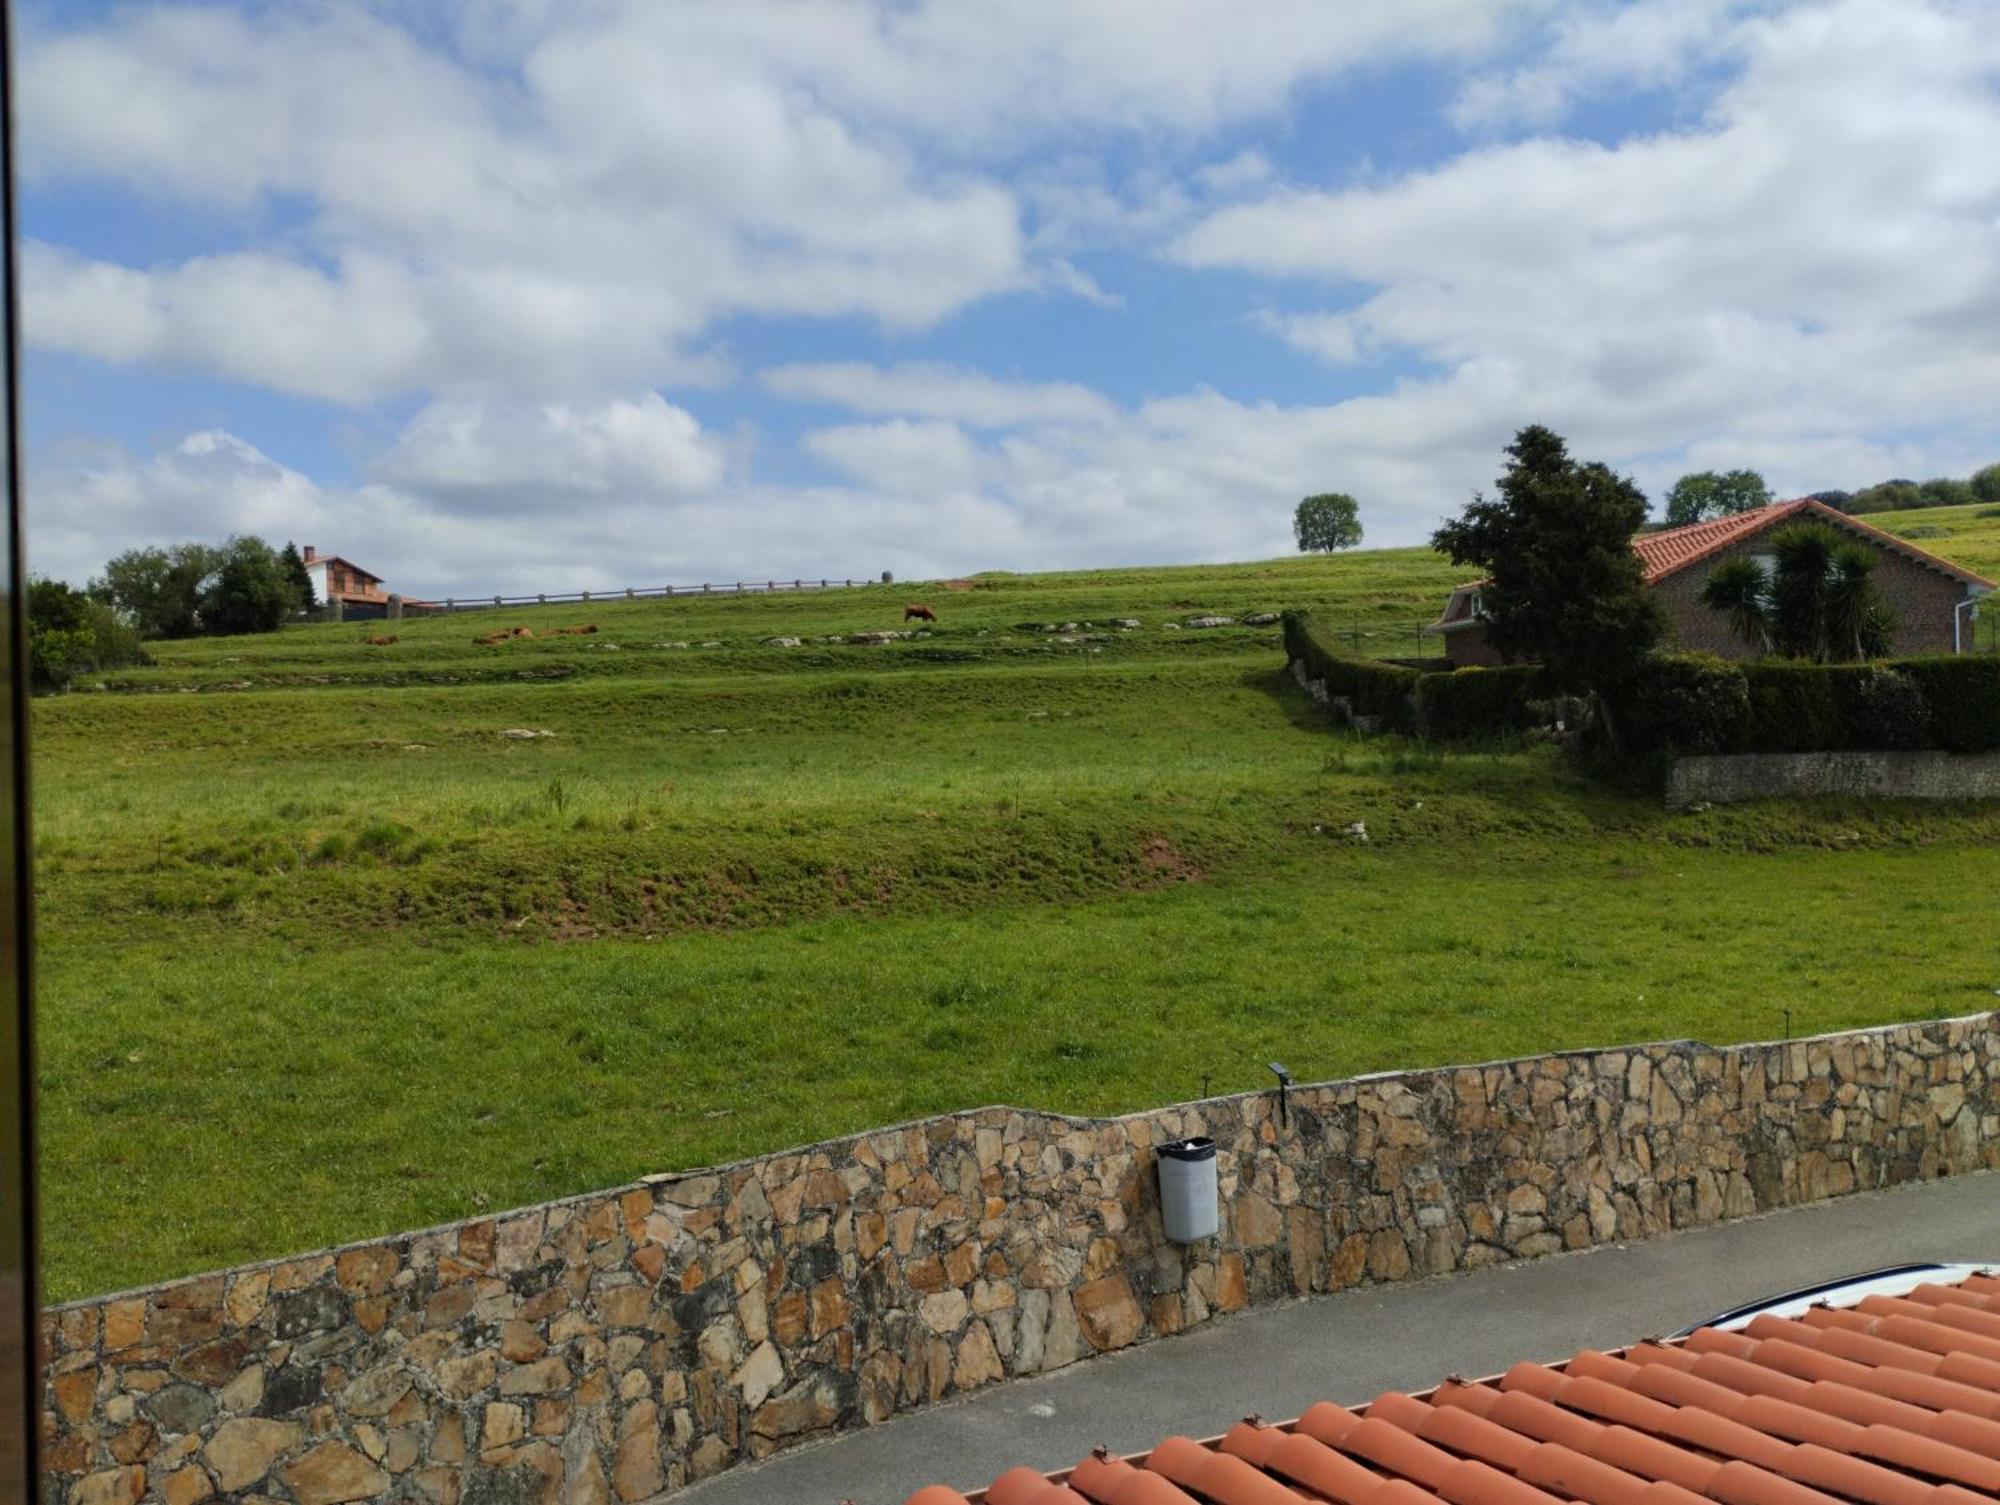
(1694, 704)
(1371, 687)
(1963, 695)
(1686, 703)
(1482, 702)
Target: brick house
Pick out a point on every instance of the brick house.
(1932, 599)
(359, 593)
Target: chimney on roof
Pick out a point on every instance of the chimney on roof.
(311, 553)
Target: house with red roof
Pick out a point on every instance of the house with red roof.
(1933, 599)
(352, 592)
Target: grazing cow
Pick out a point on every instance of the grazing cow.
(575, 632)
(919, 611)
(381, 642)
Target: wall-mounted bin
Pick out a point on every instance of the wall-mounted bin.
(1187, 1190)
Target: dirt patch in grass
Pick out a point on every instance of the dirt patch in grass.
(1162, 859)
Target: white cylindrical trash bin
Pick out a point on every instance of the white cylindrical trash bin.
(1187, 1190)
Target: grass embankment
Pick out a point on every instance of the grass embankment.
(326, 960)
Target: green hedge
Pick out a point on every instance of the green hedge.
(1374, 689)
(1443, 703)
(1482, 702)
(1696, 704)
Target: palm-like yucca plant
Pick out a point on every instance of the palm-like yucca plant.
(1737, 588)
(1819, 600)
(1800, 586)
(1857, 623)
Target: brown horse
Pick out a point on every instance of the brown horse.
(919, 611)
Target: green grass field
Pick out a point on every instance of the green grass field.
(324, 954)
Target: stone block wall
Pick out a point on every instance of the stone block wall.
(1720, 779)
(612, 1347)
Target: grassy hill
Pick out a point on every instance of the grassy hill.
(327, 952)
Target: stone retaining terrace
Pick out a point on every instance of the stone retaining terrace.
(618, 1345)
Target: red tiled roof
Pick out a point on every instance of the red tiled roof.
(1672, 550)
(1892, 1401)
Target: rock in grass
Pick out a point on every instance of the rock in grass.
(781, 642)
(1211, 621)
(1260, 619)
(523, 733)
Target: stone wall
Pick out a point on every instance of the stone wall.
(614, 1346)
(1726, 779)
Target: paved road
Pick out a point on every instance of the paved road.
(1277, 1361)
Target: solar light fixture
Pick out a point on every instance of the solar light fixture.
(1284, 1077)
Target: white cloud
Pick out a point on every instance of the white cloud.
(930, 390)
(1603, 46)
(1817, 257)
(573, 214)
(901, 457)
(502, 457)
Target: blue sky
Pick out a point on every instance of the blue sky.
(504, 295)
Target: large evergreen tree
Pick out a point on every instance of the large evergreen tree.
(1563, 586)
(294, 566)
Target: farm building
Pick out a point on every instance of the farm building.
(334, 579)
(1933, 599)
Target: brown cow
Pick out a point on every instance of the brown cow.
(382, 642)
(919, 611)
(575, 632)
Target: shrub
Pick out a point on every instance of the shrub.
(1963, 695)
(1794, 707)
(1691, 703)
(1884, 707)
(1482, 702)
(1372, 688)
(1694, 704)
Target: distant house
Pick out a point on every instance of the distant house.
(334, 579)
(1932, 598)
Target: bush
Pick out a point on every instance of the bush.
(1963, 695)
(1884, 707)
(1693, 704)
(1690, 703)
(71, 634)
(1794, 707)
(1482, 702)
(1372, 688)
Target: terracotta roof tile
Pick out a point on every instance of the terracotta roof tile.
(1894, 1401)
(1671, 550)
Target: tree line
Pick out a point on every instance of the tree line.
(179, 591)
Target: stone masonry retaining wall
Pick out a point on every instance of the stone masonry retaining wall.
(612, 1347)
(1725, 779)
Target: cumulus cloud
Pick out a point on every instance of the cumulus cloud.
(502, 457)
(534, 215)
(575, 214)
(933, 390)
(1814, 258)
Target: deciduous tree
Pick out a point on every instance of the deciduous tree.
(1327, 522)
